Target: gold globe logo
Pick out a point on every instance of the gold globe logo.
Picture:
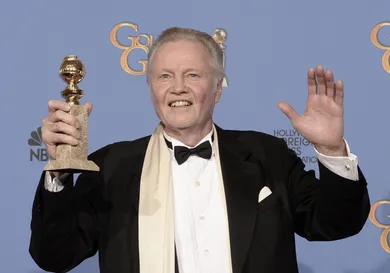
(384, 238)
(378, 44)
(135, 44)
(219, 36)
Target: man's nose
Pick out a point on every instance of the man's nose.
(178, 85)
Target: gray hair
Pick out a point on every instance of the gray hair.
(176, 34)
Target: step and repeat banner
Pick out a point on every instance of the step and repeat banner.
(268, 45)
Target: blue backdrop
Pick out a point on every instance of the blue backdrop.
(270, 45)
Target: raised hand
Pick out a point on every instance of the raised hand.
(322, 123)
(60, 127)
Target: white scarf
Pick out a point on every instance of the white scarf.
(156, 211)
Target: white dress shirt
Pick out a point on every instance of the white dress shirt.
(201, 226)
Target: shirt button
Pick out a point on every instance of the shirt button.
(347, 167)
(201, 217)
(206, 252)
(197, 183)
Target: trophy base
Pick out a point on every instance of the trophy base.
(71, 166)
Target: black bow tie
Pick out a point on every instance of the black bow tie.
(182, 153)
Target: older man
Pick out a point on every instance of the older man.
(193, 197)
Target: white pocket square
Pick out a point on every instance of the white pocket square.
(265, 191)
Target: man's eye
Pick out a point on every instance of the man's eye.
(164, 76)
(193, 75)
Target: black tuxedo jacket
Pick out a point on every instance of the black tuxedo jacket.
(100, 212)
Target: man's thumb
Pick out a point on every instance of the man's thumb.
(89, 107)
(288, 111)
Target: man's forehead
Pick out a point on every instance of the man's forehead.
(174, 56)
(182, 48)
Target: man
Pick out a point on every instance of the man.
(232, 204)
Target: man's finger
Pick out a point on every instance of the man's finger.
(55, 105)
(63, 139)
(311, 82)
(339, 93)
(330, 86)
(321, 90)
(61, 127)
(67, 118)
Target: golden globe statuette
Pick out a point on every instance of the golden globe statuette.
(220, 37)
(73, 159)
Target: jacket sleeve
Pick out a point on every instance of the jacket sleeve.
(66, 225)
(328, 208)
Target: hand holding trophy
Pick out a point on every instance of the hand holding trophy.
(70, 158)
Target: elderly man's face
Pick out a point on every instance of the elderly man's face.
(183, 87)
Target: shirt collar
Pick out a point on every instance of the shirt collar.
(175, 142)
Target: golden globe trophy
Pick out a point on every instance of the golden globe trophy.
(220, 36)
(73, 159)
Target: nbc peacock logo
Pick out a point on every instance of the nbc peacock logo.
(37, 150)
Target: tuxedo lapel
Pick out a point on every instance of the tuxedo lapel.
(135, 177)
(242, 178)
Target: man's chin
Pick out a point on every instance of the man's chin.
(178, 125)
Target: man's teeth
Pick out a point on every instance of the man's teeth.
(180, 103)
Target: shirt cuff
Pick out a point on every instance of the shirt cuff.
(56, 184)
(344, 166)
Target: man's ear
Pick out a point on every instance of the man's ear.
(218, 91)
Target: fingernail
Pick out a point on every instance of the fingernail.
(77, 124)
